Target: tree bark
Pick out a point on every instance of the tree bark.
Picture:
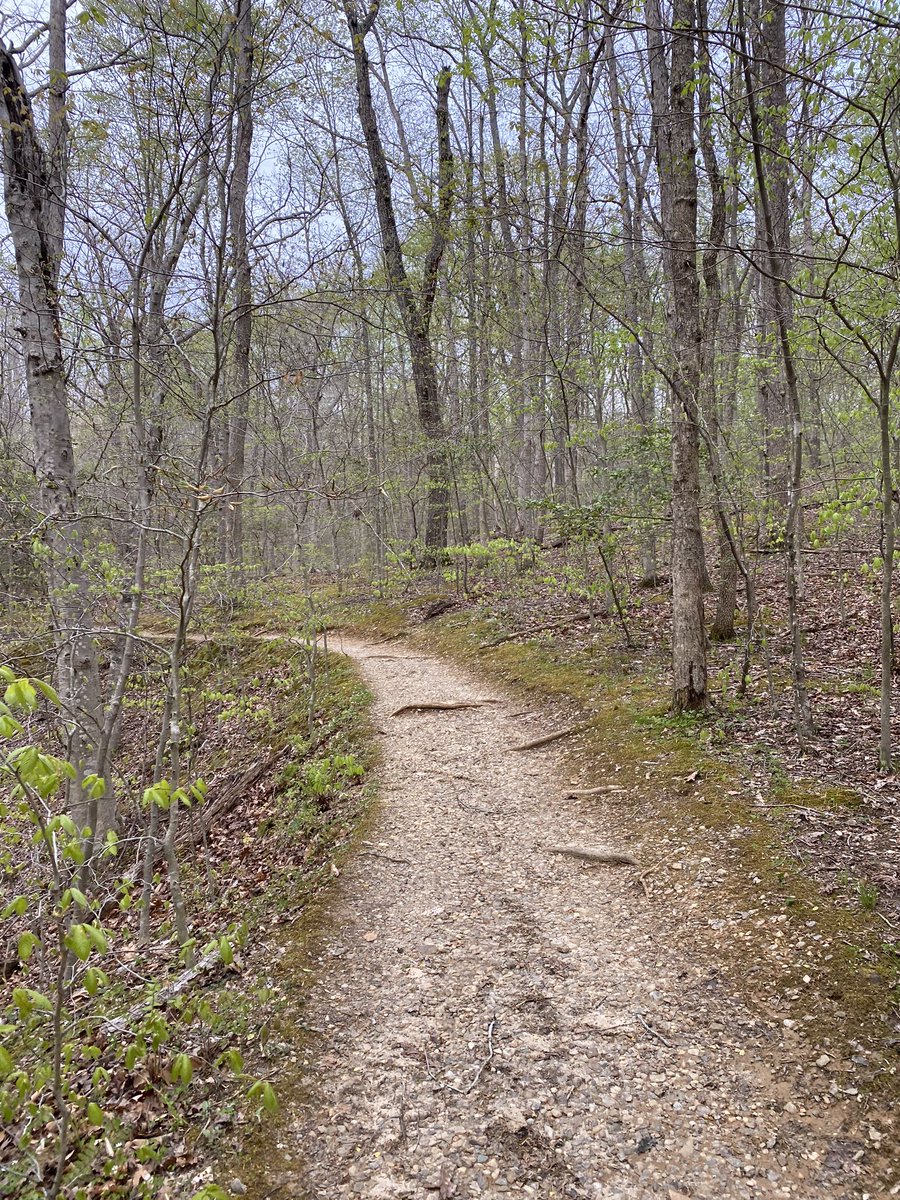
(34, 193)
(672, 96)
(243, 299)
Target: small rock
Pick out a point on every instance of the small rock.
(823, 1060)
(237, 1188)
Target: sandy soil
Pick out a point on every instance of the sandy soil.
(498, 1020)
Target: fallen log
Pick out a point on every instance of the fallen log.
(211, 959)
(597, 854)
(223, 802)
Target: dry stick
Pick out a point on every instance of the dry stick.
(642, 878)
(596, 855)
(452, 775)
(475, 808)
(438, 706)
(650, 1029)
(535, 629)
(656, 866)
(550, 737)
(478, 1073)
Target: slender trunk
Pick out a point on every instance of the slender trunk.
(34, 193)
(243, 299)
(672, 97)
(415, 310)
(777, 266)
(887, 574)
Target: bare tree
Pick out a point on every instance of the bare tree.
(416, 306)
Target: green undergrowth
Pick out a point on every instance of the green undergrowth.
(283, 735)
(323, 798)
(819, 960)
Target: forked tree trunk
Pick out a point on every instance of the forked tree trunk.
(415, 310)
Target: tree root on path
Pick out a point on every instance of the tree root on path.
(439, 706)
(550, 737)
(574, 792)
(597, 854)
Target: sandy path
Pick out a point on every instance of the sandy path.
(618, 1066)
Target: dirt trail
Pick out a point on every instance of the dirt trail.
(497, 1020)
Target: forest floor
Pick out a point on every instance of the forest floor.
(489, 1018)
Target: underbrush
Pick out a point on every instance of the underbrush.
(126, 1058)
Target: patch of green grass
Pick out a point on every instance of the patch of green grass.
(810, 794)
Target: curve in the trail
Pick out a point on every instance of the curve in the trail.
(497, 1020)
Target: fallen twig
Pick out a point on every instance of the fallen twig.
(650, 1029)
(476, 808)
(490, 1054)
(550, 737)
(656, 866)
(597, 854)
(534, 630)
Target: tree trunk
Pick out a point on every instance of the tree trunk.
(672, 95)
(415, 310)
(34, 192)
(777, 265)
(243, 299)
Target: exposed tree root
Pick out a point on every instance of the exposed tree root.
(597, 854)
(550, 737)
(439, 706)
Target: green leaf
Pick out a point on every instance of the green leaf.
(234, 1059)
(28, 1001)
(70, 895)
(26, 945)
(94, 980)
(6, 1062)
(94, 1114)
(47, 692)
(225, 951)
(95, 786)
(182, 1069)
(21, 694)
(98, 938)
(78, 941)
(15, 908)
